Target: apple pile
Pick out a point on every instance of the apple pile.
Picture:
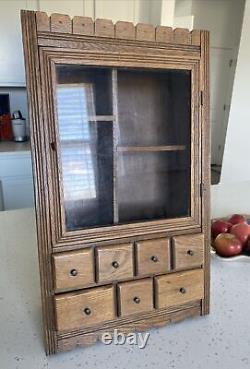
(231, 237)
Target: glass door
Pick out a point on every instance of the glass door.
(124, 144)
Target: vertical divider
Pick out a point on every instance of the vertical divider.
(115, 142)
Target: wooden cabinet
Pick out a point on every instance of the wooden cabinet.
(121, 157)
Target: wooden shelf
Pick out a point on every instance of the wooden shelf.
(101, 118)
(150, 148)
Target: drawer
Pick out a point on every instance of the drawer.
(114, 262)
(188, 250)
(83, 309)
(153, 256)
(179, 288)
(73, 269)
(135, 297)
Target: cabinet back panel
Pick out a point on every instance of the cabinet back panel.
(154, 107)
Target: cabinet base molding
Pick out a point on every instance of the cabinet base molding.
(157, 319)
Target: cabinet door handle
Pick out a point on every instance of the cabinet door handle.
(190, 252)
(73, 272)
(87, 311)
(137, 300)
(154, 258)
(183, 290)
(115, 264)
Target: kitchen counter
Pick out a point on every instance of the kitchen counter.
(219, 340)
(9, 147)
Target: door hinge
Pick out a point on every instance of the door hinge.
(202, 189)
(201, 98)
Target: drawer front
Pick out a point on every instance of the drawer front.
(153, 256)
(179, 288)
(76, 310)
(73, 269)
(135, 297)
(114, 262)
(188, 251)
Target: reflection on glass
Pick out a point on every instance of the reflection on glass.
(77, 140)
(85, 149)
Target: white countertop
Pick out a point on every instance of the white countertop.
(11, 147)
(219, 340)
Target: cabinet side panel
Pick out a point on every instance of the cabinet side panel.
(39, 172)
(205, 124)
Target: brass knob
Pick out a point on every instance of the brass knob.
(137, 300)
(73, 272)
(115, 264)
(154, 258)
(190, 252)
(183, 290)
(87, 311)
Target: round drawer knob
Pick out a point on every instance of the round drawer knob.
(137, 300)
(154, 258)
(190, 252)
(73, 272)
(87, 311)
(183, 290)
(115, 264)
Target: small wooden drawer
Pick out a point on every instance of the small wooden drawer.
(188, 251)
(73, 269)
(83, 309)
(179, 288)
(135, 297)
(114, 262)
(153, 256)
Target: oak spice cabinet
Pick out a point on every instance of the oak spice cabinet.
(120, 147)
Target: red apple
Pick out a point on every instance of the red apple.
(220, 226)
(237, 218)
(241, 231)
(227, 244)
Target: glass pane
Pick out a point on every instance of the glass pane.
(154, 144)
(131, 167)
(85, 146)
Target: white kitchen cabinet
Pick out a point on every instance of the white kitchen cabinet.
(11, 50)
(16, 183)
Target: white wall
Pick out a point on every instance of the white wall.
(223, 18)
(236, 165)
(233, 193)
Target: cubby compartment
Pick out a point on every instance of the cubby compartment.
(154, 108)
(153, 185)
